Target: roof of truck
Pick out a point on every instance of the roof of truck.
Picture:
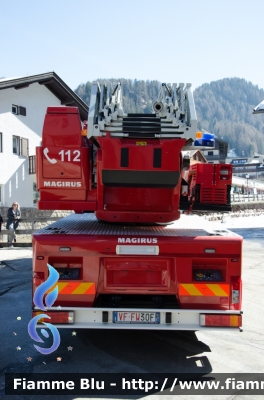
(87, 224)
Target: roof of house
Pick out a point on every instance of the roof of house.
(191, 153)
(53, 83)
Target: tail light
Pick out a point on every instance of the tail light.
(224, 171)
(236, 289)
(38, 278)
(56, 317)
(221, 320)
(224, 174)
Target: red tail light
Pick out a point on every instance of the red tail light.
(38, 278)
(236, 292)
(56, 317)
(221, 320)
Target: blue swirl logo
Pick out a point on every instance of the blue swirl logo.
(49, 300)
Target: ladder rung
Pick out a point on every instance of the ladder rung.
(144, 125)
(126, 129)
(142, 115)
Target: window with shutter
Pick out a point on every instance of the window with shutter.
(16, 145)
(31, 165)
(14, 109)
(19, 110)
(24, 147)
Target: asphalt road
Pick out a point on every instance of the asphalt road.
(132, 351)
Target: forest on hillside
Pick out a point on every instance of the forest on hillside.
(223, 107)
(138, 96)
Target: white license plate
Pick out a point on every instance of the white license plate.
(135, 317)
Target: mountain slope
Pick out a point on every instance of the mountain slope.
(225, 107)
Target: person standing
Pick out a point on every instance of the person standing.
(1, 221)
(13, 217)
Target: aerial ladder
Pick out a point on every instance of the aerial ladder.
(170, 131)
(138, 167)
(174, 114)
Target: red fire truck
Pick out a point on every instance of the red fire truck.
(125, 259)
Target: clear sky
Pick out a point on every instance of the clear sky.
(195, 41)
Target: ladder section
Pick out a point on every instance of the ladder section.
(173, 115)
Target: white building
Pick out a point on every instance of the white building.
(23, 104)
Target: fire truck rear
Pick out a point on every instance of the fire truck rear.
(124, 259)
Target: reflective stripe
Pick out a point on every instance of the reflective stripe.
(74, 287)
(219, 290)
(191, 290)
(85, 288)
(69, 288)
(204, 289)
(61, 286)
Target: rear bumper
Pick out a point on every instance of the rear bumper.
(170, 319)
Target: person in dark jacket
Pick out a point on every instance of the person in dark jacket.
(13, 217)
(1, 221)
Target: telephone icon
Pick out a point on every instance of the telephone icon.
(51, 160)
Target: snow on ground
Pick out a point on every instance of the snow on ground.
(251, 219)
(244, 221)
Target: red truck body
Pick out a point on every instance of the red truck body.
(122, 263)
